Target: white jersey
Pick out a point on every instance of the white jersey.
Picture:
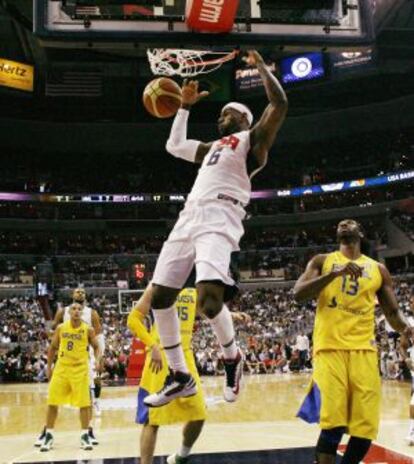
(86, 315)
(224, 170)
(411, 353)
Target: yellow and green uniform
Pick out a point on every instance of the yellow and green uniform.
(70, 379)
(181, 409)
(345, 389)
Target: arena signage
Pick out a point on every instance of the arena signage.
(211, 15)
(369, 182)
(16, 75)
(401, 176)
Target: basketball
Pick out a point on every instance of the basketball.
(162, 97)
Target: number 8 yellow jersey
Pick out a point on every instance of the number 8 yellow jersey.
(345, 318)
(73, 344)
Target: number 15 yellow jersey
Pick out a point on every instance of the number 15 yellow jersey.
(186, 305)
(345, 318)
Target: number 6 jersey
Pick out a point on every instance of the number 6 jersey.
(345, 318)
(224, 170)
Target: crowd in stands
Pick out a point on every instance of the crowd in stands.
(337, 159)
(23, 341)
(278, 337)
(406, 222)
(108, 260)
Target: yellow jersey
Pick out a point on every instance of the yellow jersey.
(73, 344)
(345, 318)
(186, 305)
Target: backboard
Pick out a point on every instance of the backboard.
(94, 23)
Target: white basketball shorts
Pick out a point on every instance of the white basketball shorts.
(206, 233)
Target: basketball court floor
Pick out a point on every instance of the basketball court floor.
(260, 428)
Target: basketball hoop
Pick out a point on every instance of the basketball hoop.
(186, 63)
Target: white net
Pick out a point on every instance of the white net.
(186, 63)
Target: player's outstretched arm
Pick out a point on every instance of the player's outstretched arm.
(177, 144)
(264, 132)
(389, 304)
(136, 325)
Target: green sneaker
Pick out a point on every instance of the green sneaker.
(47, 442)
(175, 459)
(86, 442)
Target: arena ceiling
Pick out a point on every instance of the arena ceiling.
(114, 96)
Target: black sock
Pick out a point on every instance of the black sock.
(356, 450)
(98, 389)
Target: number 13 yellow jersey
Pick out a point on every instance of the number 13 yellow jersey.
(345, 318)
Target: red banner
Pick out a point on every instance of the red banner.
(211, 15)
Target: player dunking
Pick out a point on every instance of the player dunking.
(346, 387)
(210, 226)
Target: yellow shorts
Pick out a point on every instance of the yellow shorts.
(180, 409)
(345, 392)
(69, 385)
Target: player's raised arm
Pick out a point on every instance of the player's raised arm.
(389, 304)
(177, 144)
(264, 132)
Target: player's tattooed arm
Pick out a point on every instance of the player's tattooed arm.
(58, 319)
(96, 322)
(264, 132)
(389, 304)
(312, 282)
(95, 345)
(51, 352)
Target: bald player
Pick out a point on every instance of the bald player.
(210, 226)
